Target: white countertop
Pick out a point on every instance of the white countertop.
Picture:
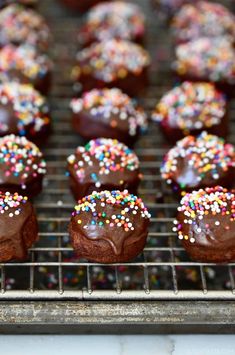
(118, 345)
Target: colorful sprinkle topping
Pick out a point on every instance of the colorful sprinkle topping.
(111, 156)
(113, 20)
(11, 204)
(203, 156)
(203, 19)
(127, 205)
(113, 107)
(112, 59)
(191, 106)
(20, 25)
(29, 107)
(207, 59)
(24, 59)
(199, 204)
(20, 160)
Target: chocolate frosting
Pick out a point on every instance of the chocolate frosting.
(114, 20)
(20, 25)
(18, 226)
(21, 162)
(25, 64)
(115, 217)
(23, 111)
(205, 224)
(110, 113)
(199, 162)
(103, 164)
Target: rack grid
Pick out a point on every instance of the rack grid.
(163, 283)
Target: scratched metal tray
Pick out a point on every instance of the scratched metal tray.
(162, 290)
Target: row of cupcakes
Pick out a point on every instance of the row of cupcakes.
(25, 74)
(109, 223)
(194, 117)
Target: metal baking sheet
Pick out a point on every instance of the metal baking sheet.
(162, 290)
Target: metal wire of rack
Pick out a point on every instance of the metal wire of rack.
(163, 273)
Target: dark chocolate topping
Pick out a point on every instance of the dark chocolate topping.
(198, 161)
(23, 110)
(111, 60)
(20, 25)
(104, 162)
(21, 161)
(112, 108)
(111, 216)
(206, 218)
(17, 220)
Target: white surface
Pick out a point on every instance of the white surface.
(118, 345)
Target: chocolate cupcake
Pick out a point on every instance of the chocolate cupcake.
(26, 65)
(191, 108)
(18, 226)
(203, 19)
(19, 25)
(22, 166)
(81, 5)
(103, 164)
(205, 224)
(109, 227)
(199, 162)
(207, 59)
(115, 20)
(108, 113)
(112, 63)
(23, 111)
(27, 3)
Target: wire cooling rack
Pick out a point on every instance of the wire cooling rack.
(162, 286)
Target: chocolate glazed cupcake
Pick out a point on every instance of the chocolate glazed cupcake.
(199, 162)
(205, 225)
(109, 227)
(115, 20)
(113, 63)
(24, 112)
(103, 164)
(191, 108)
(201, 19)
(22, 166)
(108, 113)
(207, 59)
(19, 25)
(18, 226)
(26, 65)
